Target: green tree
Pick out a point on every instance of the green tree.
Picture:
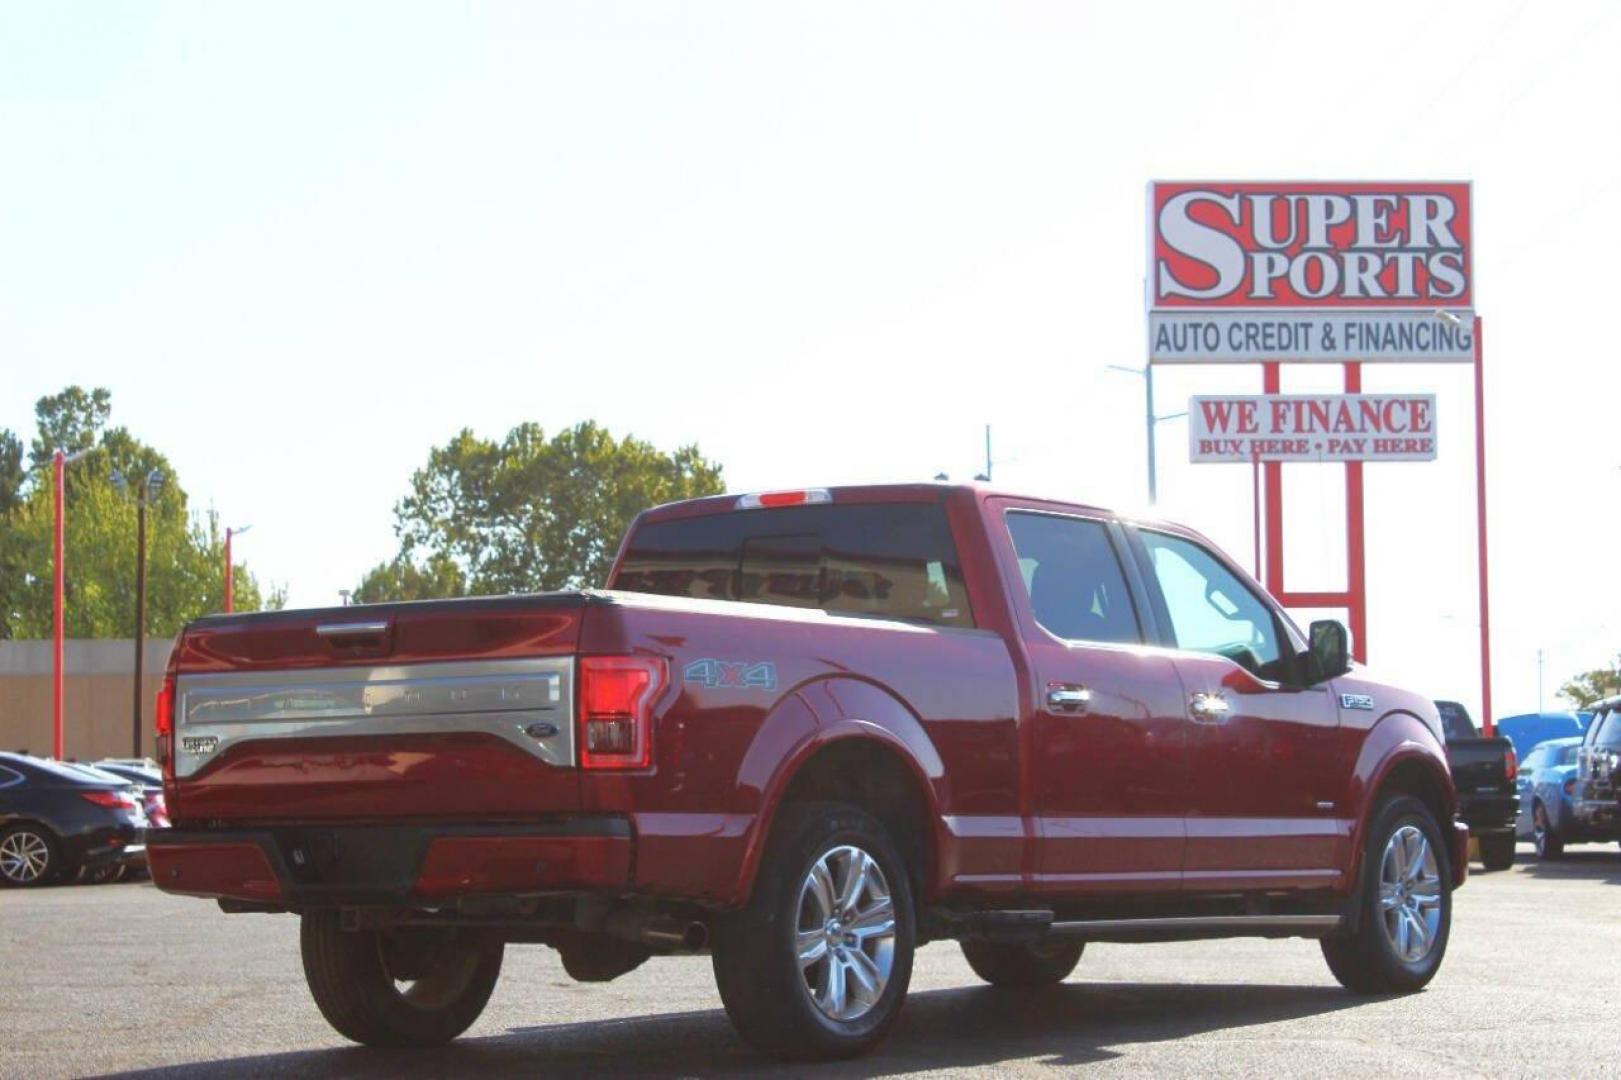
(528, 513)
(1595, 685)
(12, 473)
(69, 421)
(185, 551)
(401, 579)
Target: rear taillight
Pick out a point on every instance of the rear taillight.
(112, 800)
(164, 712)
(1511, 764)
(163, 723)
(616, 710)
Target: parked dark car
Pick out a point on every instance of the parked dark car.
(58, 819)
(1547, 786)
(150, 781)
(1484, 772)
(1527, 731)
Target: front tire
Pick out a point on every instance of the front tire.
(401, 988)
(1037, 963)
(29, 856)
(1405, 905)
(817, 964)
(1497, 850)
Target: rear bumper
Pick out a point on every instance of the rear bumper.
(1485, 813)
(392, 865)
(121, 846)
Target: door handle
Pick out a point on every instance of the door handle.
(1066, 698)
(1209, 709)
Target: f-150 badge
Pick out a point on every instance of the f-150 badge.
(1356, 701)
(731, 674)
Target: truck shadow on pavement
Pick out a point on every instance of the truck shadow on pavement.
(1588, 862)
(1071, 1025)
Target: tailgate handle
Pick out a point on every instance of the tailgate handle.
(352, 629)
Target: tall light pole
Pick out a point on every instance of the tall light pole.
(230, 571)
(1151, 421)
(59, 463)
(146, 492)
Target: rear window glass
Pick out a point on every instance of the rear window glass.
(1455, 720)
(892, 560)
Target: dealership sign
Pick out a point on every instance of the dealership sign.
(1312, 427)
(1249, 272)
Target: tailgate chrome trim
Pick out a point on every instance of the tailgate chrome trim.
(497, 697)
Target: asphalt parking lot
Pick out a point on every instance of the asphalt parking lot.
(121, 978)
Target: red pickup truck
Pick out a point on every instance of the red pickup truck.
(807, 732)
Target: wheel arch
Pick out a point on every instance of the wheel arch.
(1401, 756)
(869, 749)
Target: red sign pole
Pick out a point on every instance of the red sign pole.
(1487, 724)
(1255, 501)
(58, 463)
(1356, 569)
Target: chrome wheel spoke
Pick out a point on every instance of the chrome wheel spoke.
(833, 988)
(1389, 895)
(811, 946)
(821, 889)
(866, 975)
(855, 881)
(1421, 853)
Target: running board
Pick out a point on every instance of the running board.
(1188, 928)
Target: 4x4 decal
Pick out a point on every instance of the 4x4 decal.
(731, 674)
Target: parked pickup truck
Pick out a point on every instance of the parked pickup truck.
(807, 732)
(1485, 772)
(1596, 801)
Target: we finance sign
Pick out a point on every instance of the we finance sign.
(1245, 272)
(1312, 427)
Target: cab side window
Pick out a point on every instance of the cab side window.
(1594, 728)
(1073, 577)
(1211, 610)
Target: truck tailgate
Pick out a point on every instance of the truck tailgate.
(1480, 766)
(445, 710)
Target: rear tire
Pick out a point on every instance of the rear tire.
(1404, 904)
(355, 976)
(1550, 845)
(1037, 963)
(800, 976)
(30, 856)
(1497, 850)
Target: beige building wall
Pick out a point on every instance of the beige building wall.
(97, 708)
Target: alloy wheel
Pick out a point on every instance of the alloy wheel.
(845, 938)
(24, 857)
(1410, 894)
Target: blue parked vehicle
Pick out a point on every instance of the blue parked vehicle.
(1527, 730)
(1547, 786)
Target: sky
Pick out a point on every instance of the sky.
(303, 243)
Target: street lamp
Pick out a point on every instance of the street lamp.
(59, 463)
(1146, 373)
(230, 571)
(145, 492)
